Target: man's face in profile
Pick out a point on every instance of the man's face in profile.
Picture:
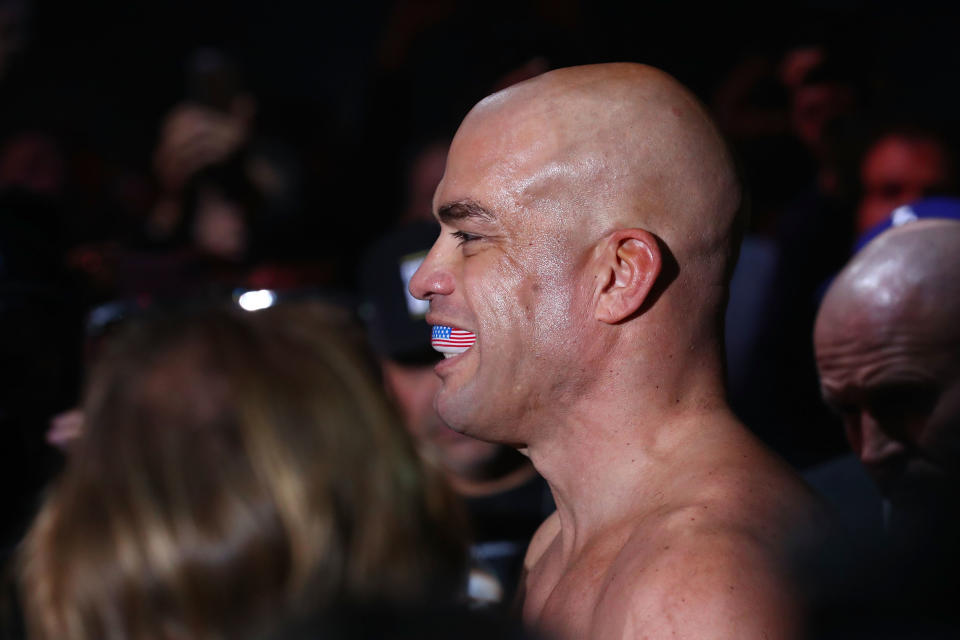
(500, 269)
(898, 392)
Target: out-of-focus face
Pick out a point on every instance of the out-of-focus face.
(814, 107)
(219, 228)
(413, 387)
(895, 171)
(504, 270)
(898, 391)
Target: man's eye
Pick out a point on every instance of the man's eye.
(902, 406)
(463, 237)
(845, 410)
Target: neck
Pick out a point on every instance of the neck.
(612, 454)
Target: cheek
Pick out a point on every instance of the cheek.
(561, 308)
(524, 300)
(496, 293)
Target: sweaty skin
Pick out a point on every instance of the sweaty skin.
(887, 342)
(589, 223)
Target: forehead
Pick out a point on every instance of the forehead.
(496, 157)
(862, 350)
(903, 156)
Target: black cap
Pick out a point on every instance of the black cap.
(394, 318)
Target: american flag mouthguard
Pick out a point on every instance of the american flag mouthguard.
(449, 340)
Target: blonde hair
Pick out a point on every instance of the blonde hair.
(233, 470)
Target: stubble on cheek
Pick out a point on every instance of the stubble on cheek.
(546, 285)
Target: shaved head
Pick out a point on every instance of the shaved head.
(604, 147)
(907, 275)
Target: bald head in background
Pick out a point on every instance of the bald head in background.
(887, 342)
(589, 226)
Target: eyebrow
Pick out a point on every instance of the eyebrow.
(462, 210)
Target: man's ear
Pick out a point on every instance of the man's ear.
(628, 264)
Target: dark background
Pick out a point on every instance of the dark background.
(353, 90)
(353, 84)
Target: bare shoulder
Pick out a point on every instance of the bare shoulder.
(706, 582)
(545, 535)
(716, 562)
(751, 491)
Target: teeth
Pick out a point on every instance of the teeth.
(451, 341)
(448, 355)
(450, 351)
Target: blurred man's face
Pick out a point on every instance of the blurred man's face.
(219, 228)
(898, 391)
(813, 108)
(898, 170)
(414, 387)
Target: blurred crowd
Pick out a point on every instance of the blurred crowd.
(231, 249)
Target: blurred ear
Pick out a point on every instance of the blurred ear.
(627, 263)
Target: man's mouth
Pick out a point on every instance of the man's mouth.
(451, 341)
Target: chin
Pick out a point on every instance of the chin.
(449, 404)
(472, 406)
(453, 411)
(460, 412)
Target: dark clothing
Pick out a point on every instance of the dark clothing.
(887, 572)
(848, 490)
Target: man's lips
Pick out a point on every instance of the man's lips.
(450, 340)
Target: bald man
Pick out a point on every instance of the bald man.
(887, 342)
(589, 222)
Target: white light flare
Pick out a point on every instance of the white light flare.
(257, 300)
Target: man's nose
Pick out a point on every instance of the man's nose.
(431, 278)
(875, 445)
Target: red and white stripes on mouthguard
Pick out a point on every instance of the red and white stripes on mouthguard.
(450, 340)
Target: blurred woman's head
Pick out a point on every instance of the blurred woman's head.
(232, 469)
